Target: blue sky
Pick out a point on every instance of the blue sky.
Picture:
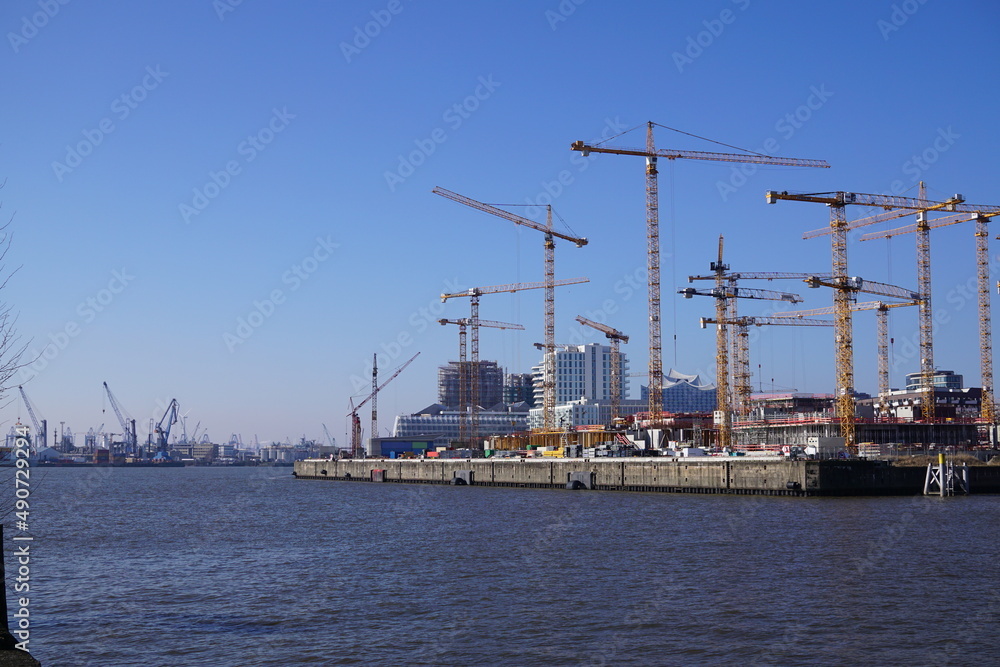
(229, 202)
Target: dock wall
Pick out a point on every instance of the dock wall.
(734, 476)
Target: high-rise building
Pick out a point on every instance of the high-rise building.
(490, 384)
(582, 371)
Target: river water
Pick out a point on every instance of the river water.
(249, 566)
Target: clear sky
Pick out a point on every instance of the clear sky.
(229, 202)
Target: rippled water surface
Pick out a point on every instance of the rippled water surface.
(248, 566)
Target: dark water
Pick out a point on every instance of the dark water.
(243, 566)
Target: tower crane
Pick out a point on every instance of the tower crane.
(41, 426)
(548, 382)
(845, 286)
(128, 424)
(473, 294)
(724, 292)
(162, 431)
(881, 309)
(356, 450)
(616, 337)
(463, 366)
(651, 153)
(921, 228)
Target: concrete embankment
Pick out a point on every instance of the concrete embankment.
(710, 475)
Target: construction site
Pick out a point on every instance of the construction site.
(928, 415)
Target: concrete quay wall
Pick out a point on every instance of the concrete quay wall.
(735, 476)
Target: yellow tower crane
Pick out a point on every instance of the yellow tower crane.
(723, 292)
(921, 229)
(463, 366)
(548, 389)
(845, 287)
(616, 337)
(473, 294)
(651, 153)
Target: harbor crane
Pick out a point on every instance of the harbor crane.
(131, 443)
(921, 229)
(329, 438)
(724, 293)
(846, 287)
(356, 449)
(41, 426)
(473, 295)
(463, 366)
(651, 153)
(162, 430)
(616, 337)
(548, 383)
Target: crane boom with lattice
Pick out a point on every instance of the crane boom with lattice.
(463, 366)
(616, 337)
(651, 153)
(839, 226)
(473, 295)
(41, 425)
(356, 450)
(131, 442)
(548, 383)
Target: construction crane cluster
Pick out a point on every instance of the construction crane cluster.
(847, 287)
